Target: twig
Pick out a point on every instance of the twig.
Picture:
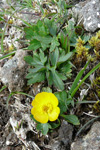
(89, 115)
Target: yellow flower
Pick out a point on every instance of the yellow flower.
(45, 107)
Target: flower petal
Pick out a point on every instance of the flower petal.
(54, 114)
(53, 100)
(42, 98)
(39, 115)
(45, 107)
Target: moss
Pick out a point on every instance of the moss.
(81, 51)
(87, 49)
(95, 41)
(97, 81)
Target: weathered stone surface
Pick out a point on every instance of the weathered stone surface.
(88, 14)
(13, 73)
(65, 132)
(89, 142)
(64, 138)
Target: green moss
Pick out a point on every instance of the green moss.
(95, 41)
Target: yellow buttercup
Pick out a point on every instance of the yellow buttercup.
(45, 107)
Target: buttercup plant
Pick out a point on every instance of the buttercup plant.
(50, 61)
(45, 107)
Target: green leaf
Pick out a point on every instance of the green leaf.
(71, 119)
(54, 57)
(44, 46)
(35, 44)
(2, 19)
(43, 127)
(42, 57)
(25, 22)
(35, 77)
(66, 68)
(3, 87)
(44, 39)
(42, 29)
(78, 77)
(64, 41)
(87, 75)
(86, 38)
(49, 77)
(28, 59)
(29, 33)
(62, 76)
(88, 46)
(62, 97)
(70, 29)
(65, 57)
(36, 61)
(7, 55)
(57, 81)
(38, 69)
(70, 100)
(54, 43)
(52, 26)
(55, 125)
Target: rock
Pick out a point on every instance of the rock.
(87, 14)
(65, 132)
(13, 73)
(64, 137)
(89, 142)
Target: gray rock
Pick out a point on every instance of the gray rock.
(88, 14)
(89, 142)
(13, 73)
(65, 132)
(64, 138)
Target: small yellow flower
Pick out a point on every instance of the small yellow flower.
(45, 107)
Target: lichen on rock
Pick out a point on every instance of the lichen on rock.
(13, 73)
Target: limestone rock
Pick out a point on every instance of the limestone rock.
(13, 73)
(89, 142)
(88, 14)
(64, 137)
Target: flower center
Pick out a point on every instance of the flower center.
(47, 108)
